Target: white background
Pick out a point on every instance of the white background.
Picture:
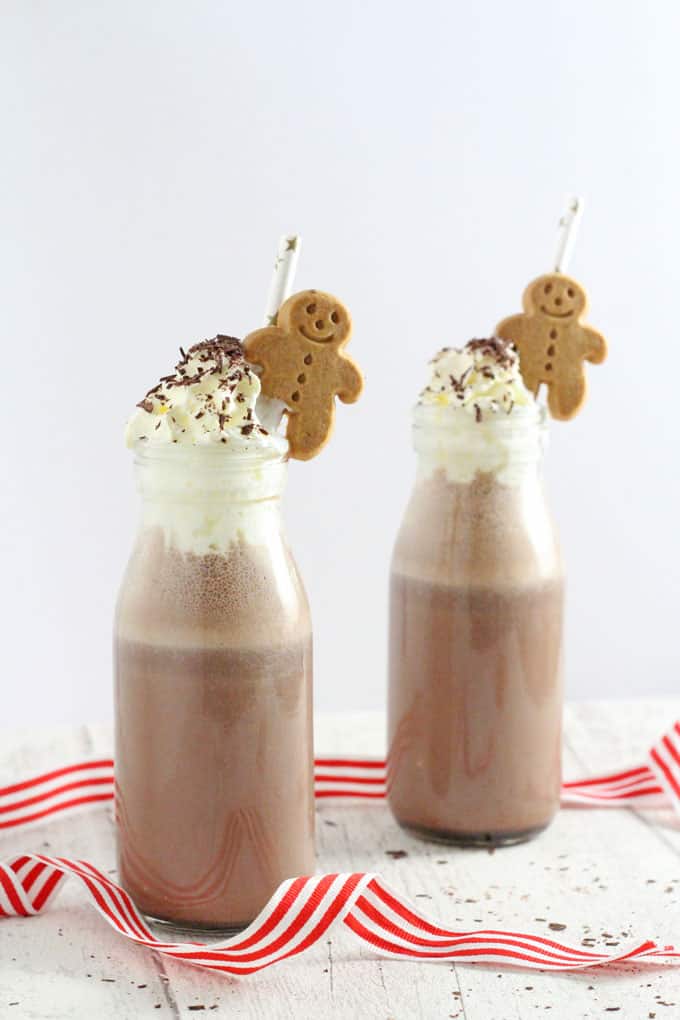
(151, 155)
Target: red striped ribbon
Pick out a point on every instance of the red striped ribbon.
(653, 784)
(304, 909)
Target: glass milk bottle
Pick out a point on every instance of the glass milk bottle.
(476, 605)
(213, 683)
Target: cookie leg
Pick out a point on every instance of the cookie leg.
(566, 395)
(530, 374)
(308, 431)
(532, 382)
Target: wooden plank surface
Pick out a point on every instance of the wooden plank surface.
(611, 876)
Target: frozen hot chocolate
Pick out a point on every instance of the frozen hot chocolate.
(214, 794)
(475, 694)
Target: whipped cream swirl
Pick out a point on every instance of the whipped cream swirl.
(210, 399)
(482, 379)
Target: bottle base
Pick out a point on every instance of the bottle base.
(488, 840)
(189, 929)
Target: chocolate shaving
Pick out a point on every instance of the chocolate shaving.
(501, 351)
(223, 354)
(220, 346)
(458, 385)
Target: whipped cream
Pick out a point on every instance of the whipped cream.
(476, 416)
(482, 379)
(210, 399)
(205, 499)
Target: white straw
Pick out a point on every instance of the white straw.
(269, 410)
(283, 276)
(568, 228)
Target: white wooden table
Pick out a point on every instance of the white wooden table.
(610, 876)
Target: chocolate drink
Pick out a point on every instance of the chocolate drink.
(476, 602)
(465, 760)
(213, 738)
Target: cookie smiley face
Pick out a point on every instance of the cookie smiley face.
(316, 316)
(557, 297)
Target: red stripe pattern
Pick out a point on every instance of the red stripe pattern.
(304, 909)
(300, 913)
(654, 784)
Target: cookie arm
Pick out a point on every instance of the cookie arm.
(258, 343)
(509, 329)
(594, 346)
(350, 381)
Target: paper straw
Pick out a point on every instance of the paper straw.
(567, 230)
(269, 410)
(281, 285)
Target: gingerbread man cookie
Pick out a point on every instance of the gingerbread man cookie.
(304, 366)
(553, 342)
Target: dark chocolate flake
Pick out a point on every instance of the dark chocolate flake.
(501, 351)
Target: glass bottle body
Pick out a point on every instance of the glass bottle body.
(476, 607)
(213, 694)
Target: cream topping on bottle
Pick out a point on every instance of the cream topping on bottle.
(209, 399)
(481, 379)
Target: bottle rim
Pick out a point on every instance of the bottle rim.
(236, 459)
(457, 422)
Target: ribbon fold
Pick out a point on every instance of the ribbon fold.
(304, 909)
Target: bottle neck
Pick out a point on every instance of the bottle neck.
(208, 475)
(206, 500)
(508, 447)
